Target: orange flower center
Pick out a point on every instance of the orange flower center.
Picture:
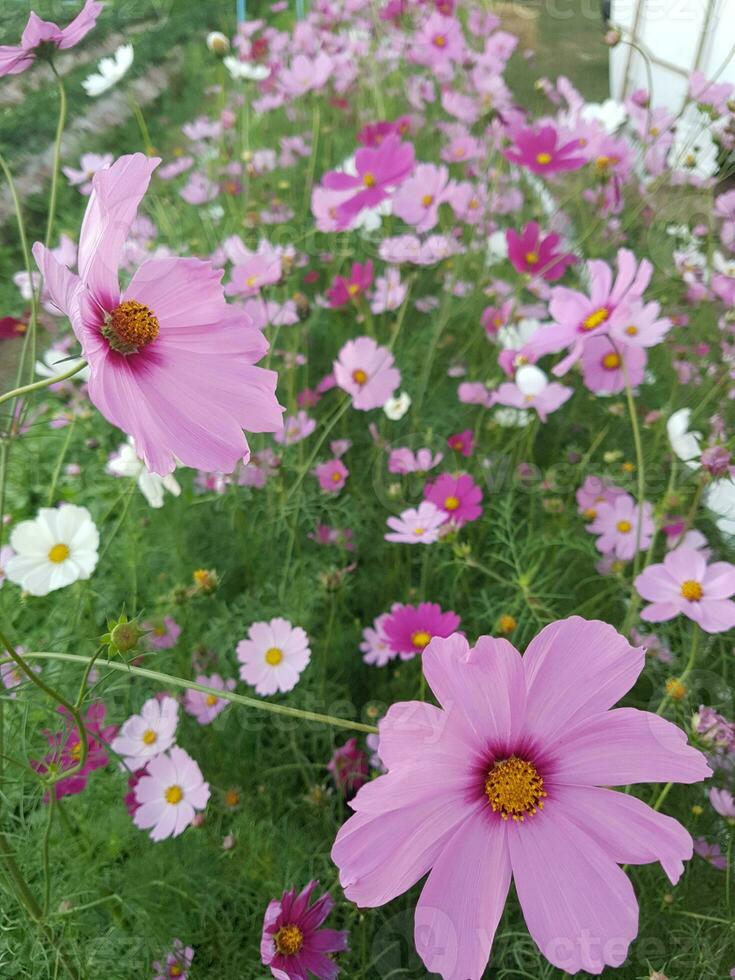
(691, 590)
(514, 788)
(631, 330)
(532, 258)
(289, 940)
(211, 700)
(421, 639)
(596, 319)
(130, 327)
(359, 376)
(611, 361)
(440, 41)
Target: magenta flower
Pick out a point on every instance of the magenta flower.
(410, 629)
(170, 362)
(206, 707)
(332, 475)
(616, 523)
(535, 255)
(458, 496)
(293, 944)
(66, 751)
(462, 442)
(273, 656)
(506, 780)
(685, 584)
(539, 151)
(349, 767)
(344, 290)
(41, 38)
(365, 371)
(169, 794)
(417, 525)
(177, 963)
(378, 171)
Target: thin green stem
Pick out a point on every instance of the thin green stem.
(60, 463)
(641, 474)
(43, 383)
(161, 678)
(57, 158)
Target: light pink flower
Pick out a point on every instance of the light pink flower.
(170, 362)
(616, 523)
(332, 475)
(146, 735)
(295, 428)
(685, 584)
(507, 779)
(375, 645)
(16, 59)
(605, 365)
(206, 707)
(389, 292)
(169, 794)
(404, 460)
(89, 164)
(273, 656)
(365, 371)
(420, 525)
(418, 199)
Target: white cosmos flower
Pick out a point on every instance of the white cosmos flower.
(245, 70)
(686, 444)
(109, 71)
(531, 380)
(610, 114)
(395, 408)
(719, 497)
(125, 462)
(55, 549)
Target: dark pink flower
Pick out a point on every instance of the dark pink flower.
(462, 442)
(410, 629)
(43, 35)
(535, 255)
(67, 751)
(458, 496)
(540, 151)
(343, 289)
(293, 944)
(349, 767)
(377, 172)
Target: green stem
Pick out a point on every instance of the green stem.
(60, 463)
(43, 383)
(57, 158)
(140, 120)
(641, 474)
(155, 675)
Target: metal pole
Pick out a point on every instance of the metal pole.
(241, 11)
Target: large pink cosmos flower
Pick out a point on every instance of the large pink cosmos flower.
(171, 363)
(535, 255)
(40, 35)
(685, 584)
(506, 779)
(579, 317)
(378, 170)
(540, 151)
(293, 943)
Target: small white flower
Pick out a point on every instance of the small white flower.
(55, 549)
(125, 462)
(148, 734)
(56, 361)
(109, 71)
(686, 444)
(395, 408)
(218, 43)
(245, 70)
(497, 248)
(531, 380)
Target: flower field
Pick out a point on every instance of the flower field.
(367, 499)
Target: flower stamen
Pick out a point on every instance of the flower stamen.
(130, 327)
(514, 788)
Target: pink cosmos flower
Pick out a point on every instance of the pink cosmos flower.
(417, 525)
(685, 584)
(332, 475)
(389, 292)
(462, 442)
(306, 74)
(295, 428)
(540, 151)
(410, 629)
(249, 277)
(531, 389)
(169, 794)
(66, 749)
(344, 290)
(206, 707)
(711, 853)
(535, 255)
(404, 460)
(349, 767)
(42, 37)
(375, 645)
(176, 964)
(418, 199)
(378, 171)
(438, 43)
(458, 496)
(89, 164)
(506, 780)
(616, 523)
(163, 634)
(579, 317)
(723, 803)
(605, 365)
(273, 656)
(639, 325)
(594, 491)
(170, 362)
(365, 371)
(148, 734)
(293, 943)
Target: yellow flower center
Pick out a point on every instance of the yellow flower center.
(691, 590)
(611, 361)
(359, 376)
(232, 797)
(174, 794)
(440, 41)
(590, 513)
(176, 970)
(676, 689)
(418, 531)
(631, 330)
(59, 553)
(211, 700)
(507, 623)
(427, 200)
(289, 940)
(274, 656)
(596, 319)
(251, 281)
(421, 639)
(76, 751)
(474, 204)
(353, 289)
(149, 737)
(451, 503)
(514, 788)
(532, 258)
(369, 179)
(625, 527)
(130, 327)
(336, 476)
(543, 158)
